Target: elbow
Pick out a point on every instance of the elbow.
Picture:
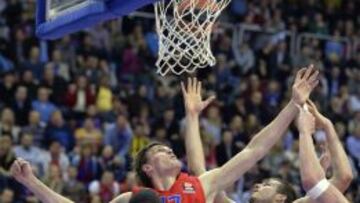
(347, 178)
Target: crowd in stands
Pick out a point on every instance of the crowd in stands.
(81, 107)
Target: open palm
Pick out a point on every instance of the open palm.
(192, 97)
(305, 81)
(321, 120)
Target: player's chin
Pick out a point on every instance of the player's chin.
(178, 163)
(254, 195)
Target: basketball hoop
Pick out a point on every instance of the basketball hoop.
(184, 28)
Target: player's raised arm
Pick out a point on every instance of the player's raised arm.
(22, 172)
(259, 146)
(193, 107)
(312, 175)
(194, 149)
(342, 173)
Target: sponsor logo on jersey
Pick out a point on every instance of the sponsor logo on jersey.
(188, 188)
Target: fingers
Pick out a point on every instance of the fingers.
(300, 74)
(183, 88)
(189, 85)
(194, 85)
(16, 167)
(314, 84)
(199, 87)
(314, 76)
(308, 72)
(209, 100)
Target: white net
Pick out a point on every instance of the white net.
(184, 28)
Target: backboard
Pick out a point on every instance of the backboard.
(56, 18)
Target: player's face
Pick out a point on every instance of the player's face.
(265, 191)
(163, 159)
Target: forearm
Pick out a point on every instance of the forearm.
(342, 173)
(42, 192)
(310, 169)
(193, 145)
(258, 147)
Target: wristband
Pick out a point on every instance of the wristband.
(318, 189)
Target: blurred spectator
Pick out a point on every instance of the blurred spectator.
(107, 188)
(104, 98)
(74, 189)
(43, 105)
(21, 106)
(245, 59)
(29, 152)
(130, 182)
(79, 96)
(7, 196)
(119, 135)
(55, 85)
(7, 157)
(53, 179)
(140, 138)
(8, 124)
(59, 131)
(61, 68)
(87, 164)
(56, 157)
(88, 133)
(35, 127)
(33, 63)
(7, 88)
(110, 161)
(212, 123)
(28, 81)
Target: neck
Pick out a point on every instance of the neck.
(163, 182)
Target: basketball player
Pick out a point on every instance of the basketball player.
(194, 150)
(275, 190)
(145, 196)
(313, 178)
(312, 175)
(157, 167)
(271, 190)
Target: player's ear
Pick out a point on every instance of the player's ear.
(147, 168)
(280, 198)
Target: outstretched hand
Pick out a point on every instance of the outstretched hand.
(305, 81)
(21, 170)
(192, 97)
(320, 120)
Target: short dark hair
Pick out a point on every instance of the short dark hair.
(145, 196)
(141, 159)
(286, 189)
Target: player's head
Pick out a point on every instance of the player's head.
(145, 196)
(156, 159)
(273, 190)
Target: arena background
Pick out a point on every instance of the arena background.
(80, 108)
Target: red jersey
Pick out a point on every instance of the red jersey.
(186, 189)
